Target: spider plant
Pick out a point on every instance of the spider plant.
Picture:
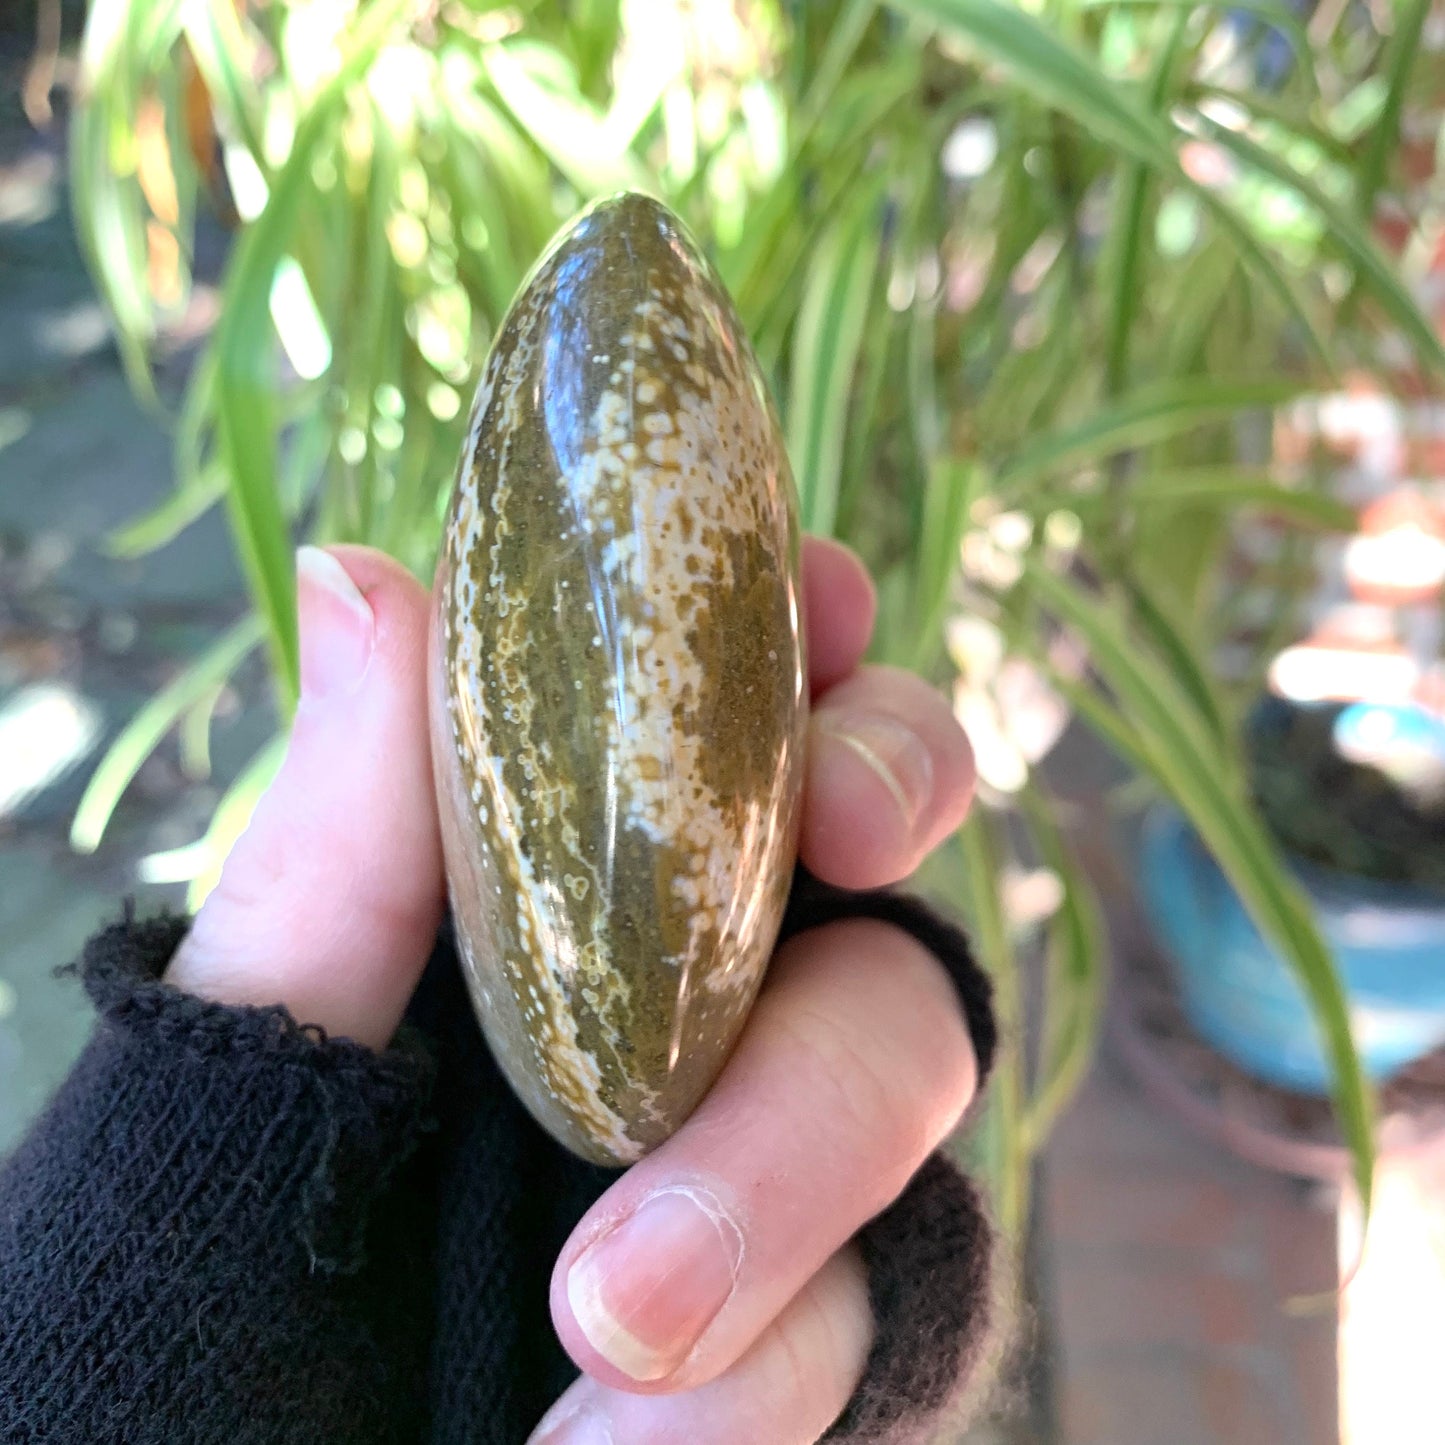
(1027, 280)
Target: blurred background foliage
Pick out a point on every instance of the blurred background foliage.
(1027, 280)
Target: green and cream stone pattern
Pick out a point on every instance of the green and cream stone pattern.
(618, 687)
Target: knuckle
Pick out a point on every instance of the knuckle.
(809, 1376)
(863, 1106)
(878, 1029)
(940, 1050)
(821, 1343)
(251, 876)
(406, 912)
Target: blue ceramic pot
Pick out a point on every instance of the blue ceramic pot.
(1388, 941)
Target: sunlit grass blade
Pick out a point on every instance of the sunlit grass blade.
(1404, 53)
(845, 31)
(1101, 716)
(525, 186)
(1130, 237)
(1053, 70)
(1128, 263)
(109, 208)
(953, 485)
(165, 522)
(595, 32)
(141, 735)
(1204, 288)
(1343, 234)
(564, 124)
(1277, 16)
(247, 450)
(1148, 414)
(486, 261)
(375, 314)
(199, 484)
(246, 376)
(1289, 117)
(1234, 835)
(502, 189)
(1008, 1162)
(1073, 1000)
(875, 389)
(787, 224)
(826, 341)
(1241, 488)
(1062, 76)
(1181, 655)
(193, 732)
(213, 29)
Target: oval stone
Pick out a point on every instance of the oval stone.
(618, 693)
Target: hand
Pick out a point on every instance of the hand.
(710, 1295)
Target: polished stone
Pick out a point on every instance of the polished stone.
(618, 686)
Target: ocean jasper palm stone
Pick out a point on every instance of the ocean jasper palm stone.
(618, 689)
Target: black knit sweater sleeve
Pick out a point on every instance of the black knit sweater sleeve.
(230, 1228)
(181, 1233)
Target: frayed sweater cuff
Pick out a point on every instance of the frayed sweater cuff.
(304, 1128)
(183, 1230)
(930, 1284)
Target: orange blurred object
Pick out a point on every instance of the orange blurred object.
(1397, 558)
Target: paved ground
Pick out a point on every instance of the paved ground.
(1169, 1267)
(88, 636)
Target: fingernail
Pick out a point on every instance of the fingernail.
(894, 752)
(338, 631)
(644, 1293)
(579, 1427)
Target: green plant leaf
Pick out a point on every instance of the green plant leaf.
(845, 32)
(1342, 233)
(214, 31)
(244, 350)
(1234, 488)
(786, 225)
(1101, 715)
(572, 132)
(199, 484)
(248, 447)
(1290, 118)
(1404, 48)
(1148, 414)
(1064, 77)
(1073, 1001)
(1189, 772)
(826, 341)
(953, 485)
(1008, 1158)
(141, 735)
(1053, 70)
(110, 212)
(165, 522)
(1277, 16)
(193, 732)
(1129, 235)
(1181, 656)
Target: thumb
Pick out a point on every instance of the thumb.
(330, 900)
